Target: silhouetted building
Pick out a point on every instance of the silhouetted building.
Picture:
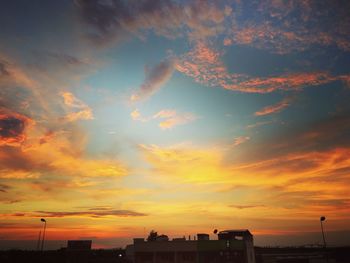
(79, 245)
(235, 246)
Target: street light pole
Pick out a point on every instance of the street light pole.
(323, 218)
(42, 242)
(39, 239)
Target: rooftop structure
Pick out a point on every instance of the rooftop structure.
(234, 246)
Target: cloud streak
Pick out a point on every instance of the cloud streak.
(293, 26)
(273, 108)
(111, 21)
(172, 118)
(84, 111)
(95, 213)
(169, 118)
(239, 140)
(205, 66)
(155, 78)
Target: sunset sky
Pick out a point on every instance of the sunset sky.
(119, 117)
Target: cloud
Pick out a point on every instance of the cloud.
(3, 69)
(12, 127)
(46, 137)
(246, 206)
(155, 78)
(185, 163)
(205, 66)
(64, 154)
(135, 114)
(112, 20)
(273, 108)
(290, 26)
(84, 111)
(65, 59)
(258, 124)
(71, 101)
(240, 140)
(170, 118)
(84, 114)
(4, 188)
(281, 41)
(90, 213)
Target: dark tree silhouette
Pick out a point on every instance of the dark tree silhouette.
(152, 236)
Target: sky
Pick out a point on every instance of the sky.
(119, 117)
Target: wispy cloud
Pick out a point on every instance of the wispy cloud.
(239, 140)
(205, 66)
(135, 115)
(246, 206)
(284, 27)
(84, 111)
(274, 108)
(155, 78)
(95, 213)
(172, 118)
(258, 124)
(169, 118)
(4, 188)
(113, 20)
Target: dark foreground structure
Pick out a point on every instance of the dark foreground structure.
(302, 255)
(64, 256)
(234, 246)
(262, 255)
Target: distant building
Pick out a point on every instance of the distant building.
(235, 246)
(79, 245)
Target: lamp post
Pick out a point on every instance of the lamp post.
(39, 239)
(323, 218)
(42, 242)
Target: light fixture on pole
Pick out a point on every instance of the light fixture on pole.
(323, 218)
(42, 242)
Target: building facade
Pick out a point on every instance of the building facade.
(232, 246)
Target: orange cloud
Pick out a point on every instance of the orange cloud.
(84, 113)
(171, 118)
(204, 65)
(93, 212)
(300, 26)
(63, 154)
(13, 127)
(71, 101)
(135, 114)
(273, 108)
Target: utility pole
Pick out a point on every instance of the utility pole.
(42, 242)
